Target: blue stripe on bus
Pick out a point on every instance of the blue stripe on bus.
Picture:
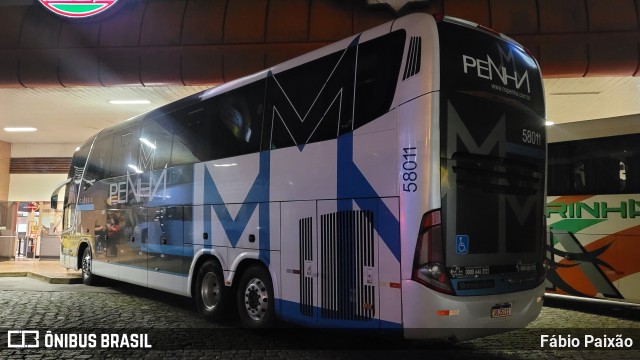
(186, 250)
(186, 275)
(290, 311)
(258, 197)
(353, 184)
(85, 207)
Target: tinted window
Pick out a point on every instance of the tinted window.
(311, 102)
(79, 160)
(124, 156)
(227, 125)
(379, 63)
(155, 144)
(75, 172)
(608, 165)
(99, 160)
(314, 101)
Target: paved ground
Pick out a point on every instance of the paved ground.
(176, 331)
(44, 270)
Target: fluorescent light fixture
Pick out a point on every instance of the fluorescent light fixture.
(148, 143)
(549, 123)
(129, 102)
(576, 93)
(20, 129)
(225, 165)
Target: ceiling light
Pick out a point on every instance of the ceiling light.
(129, 102)
(549, 122)
(20, 129)
(576, 93)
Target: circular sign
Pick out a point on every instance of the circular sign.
(77, 8)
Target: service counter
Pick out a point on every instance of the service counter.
(50, 247)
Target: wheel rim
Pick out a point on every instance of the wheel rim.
(86, 264)
(210, 291)
(256, 299)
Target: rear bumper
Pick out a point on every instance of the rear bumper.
(469, 316)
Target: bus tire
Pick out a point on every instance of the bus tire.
(88, 278)
(256, 304)
(211, 295)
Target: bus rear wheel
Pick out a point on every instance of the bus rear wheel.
(255, 298)
(211, 295)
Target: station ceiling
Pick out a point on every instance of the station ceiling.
(57, 75)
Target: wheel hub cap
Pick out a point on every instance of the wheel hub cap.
(256, 299)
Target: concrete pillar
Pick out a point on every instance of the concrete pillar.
(5, 160)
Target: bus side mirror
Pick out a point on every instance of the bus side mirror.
(54, 201)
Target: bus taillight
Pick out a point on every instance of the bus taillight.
(428, 263)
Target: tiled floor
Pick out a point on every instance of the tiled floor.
(46, 270)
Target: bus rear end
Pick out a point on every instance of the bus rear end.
(479, 257)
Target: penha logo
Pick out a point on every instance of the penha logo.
(78, 8)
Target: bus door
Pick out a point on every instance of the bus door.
(165, 245)
(347, 248)
(98, 229)
(132, 251)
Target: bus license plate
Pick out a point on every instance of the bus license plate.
(499, 311)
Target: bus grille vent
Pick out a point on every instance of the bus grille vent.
(496, 174)
(412, 65)
(306, 255)
(346, 241)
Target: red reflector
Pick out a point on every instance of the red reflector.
(453, 312)
(395, 285)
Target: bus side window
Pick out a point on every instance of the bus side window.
(155, 143)
(311, 102)
(563, 177)
(579, 178)
(191, 137)
(227, 125)
(78, 164)
(239, 115)
(595, 166)
(124, 157)
(99, 161)
(603, 175)
(632, 169)
(385, 53)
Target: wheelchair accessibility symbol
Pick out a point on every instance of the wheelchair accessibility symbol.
(462, 244)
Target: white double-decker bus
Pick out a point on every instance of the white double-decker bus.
(394, 180)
